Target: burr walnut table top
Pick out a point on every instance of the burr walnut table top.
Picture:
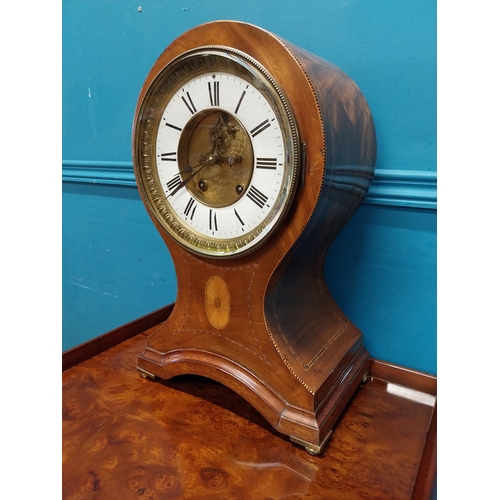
(126, 437)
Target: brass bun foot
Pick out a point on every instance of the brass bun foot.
(312, 449)
(145, 374)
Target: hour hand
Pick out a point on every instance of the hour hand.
(201, 159)
(187, 170)
(210, 160)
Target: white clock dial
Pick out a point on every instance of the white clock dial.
(223, 154)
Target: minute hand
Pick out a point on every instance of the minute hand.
(211, 160)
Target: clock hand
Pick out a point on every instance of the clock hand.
(189, 169)
(211, 160)
(201, 158)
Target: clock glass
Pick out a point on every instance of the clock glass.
(216, 152)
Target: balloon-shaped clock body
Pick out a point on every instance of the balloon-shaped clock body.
(250, 155)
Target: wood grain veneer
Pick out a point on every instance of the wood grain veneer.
(127, 437)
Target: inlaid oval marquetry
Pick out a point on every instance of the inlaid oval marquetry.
(217, 302)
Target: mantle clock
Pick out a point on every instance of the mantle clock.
(250, 156)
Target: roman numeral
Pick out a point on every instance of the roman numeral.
(174, 182)
(168, 156)
(190, 208)
(214, 96)
(212, 221)
(267, 163)
(238, 217)
(239, 102)
(260, 128)
(257, 197)
(190, 105)
(173, 126)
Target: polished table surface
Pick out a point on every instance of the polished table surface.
(126, 437)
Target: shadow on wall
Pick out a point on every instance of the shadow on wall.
(382, 272)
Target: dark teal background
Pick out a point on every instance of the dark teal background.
(382, 267)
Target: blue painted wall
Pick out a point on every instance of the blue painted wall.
(382, 267)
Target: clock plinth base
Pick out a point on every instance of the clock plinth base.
(307, 426)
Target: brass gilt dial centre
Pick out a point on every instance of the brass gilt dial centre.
(217, 164)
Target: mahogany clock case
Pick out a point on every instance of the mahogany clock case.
(285, 345)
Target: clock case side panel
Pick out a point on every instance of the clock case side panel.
(319, 342)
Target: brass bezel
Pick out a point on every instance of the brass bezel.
(164, 85)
